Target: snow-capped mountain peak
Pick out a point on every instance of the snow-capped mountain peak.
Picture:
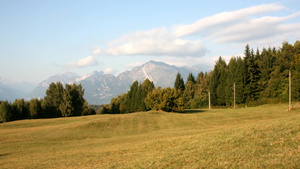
(91, 75)
(100, 87)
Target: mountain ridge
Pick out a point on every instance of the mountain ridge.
(100, 87)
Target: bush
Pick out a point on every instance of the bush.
(88, 111)
(105, 109)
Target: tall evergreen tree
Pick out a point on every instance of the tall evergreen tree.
(231, 80)
(218, 83)
(147, 86)
(188, 94)
(239, 81)
(179, 83)
(135, 98)
(191, 78)
(200, 78)
(201, 90)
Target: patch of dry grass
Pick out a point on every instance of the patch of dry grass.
(260, 137)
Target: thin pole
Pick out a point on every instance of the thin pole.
(290, 91)
(209, 100)
(234, 95)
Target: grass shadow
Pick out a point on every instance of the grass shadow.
(192, 111)
(4, 154)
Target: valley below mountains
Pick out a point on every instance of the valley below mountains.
(100, 88)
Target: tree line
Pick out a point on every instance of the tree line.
(60, 101)
(259, 78)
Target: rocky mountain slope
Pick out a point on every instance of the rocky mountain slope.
(100, 87)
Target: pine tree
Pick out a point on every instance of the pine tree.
(191, 78)
(247, 62)
(218, 83)
(179, 83)
(200, 78)
(188, 94)
(231, 80)
(135, 98)
(201, 90)
(147, 86)
(239, 81)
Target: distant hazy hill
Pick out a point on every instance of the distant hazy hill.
(100, 87)
(6, 93)
(10, 91)
(40, 90)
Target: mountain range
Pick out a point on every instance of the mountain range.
(11, 91)
(100, 87)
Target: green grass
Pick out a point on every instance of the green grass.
(260, 137)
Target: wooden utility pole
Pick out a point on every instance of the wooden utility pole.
(290, 91)
(208, 100)
(234, 95)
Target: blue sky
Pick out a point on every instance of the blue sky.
(42, 38)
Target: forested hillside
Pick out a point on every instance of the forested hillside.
(260, 77)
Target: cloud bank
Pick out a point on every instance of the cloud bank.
(156, 42)
(252, 24)
(85, 62)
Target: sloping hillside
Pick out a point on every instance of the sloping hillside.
(266, 136)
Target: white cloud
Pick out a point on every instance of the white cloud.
(242, 26)
(155, 42)
(135, 64)
(186, 61)
(85, 62)
(108, 70)
(218, 21)
(112, 71)
(252, 25)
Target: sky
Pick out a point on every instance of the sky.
(39, 39)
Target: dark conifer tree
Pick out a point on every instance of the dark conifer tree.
(200, 78)
(191, 78)
(147, 86)
(135, 98)
(179, 83)
(218, 82)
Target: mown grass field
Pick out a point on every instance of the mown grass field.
(260, 137)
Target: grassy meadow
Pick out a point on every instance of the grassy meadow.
(258, 137)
